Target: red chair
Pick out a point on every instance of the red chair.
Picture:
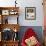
(29, 33)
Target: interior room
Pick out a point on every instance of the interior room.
(22, 23)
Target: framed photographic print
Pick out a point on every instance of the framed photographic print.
(13, 12)
(5, 12)
(30, 13)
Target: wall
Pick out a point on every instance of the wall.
(39, 12)
(37, 24)
(38, 30)
(27, 3)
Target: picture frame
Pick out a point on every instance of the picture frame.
(5, 12)
(30, 13)
(12, 12)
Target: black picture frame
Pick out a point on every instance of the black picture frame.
(30, 13)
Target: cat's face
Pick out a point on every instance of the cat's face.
(31, 41)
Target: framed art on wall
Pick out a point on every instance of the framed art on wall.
(30, 13)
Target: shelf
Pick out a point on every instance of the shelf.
(10, 26)
(9, 10)
(5, 12)
(10, 19)
(2, 8)
(11, 41)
